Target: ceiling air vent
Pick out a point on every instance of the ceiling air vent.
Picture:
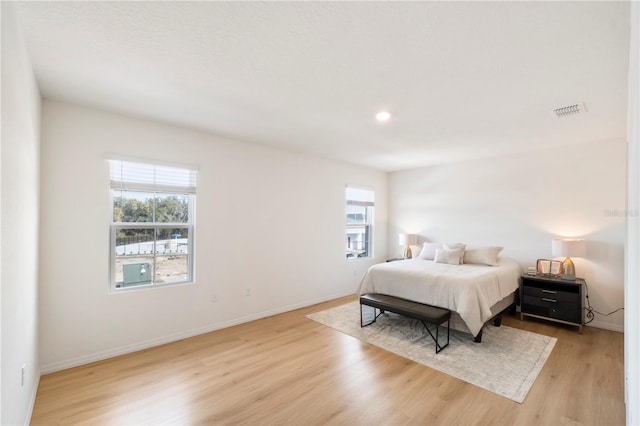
(568, 110)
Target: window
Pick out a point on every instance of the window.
(152, 221)
(359, 213)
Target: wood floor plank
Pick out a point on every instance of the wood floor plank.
(288, 369)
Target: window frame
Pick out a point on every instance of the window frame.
(369, 219)
(155, 192)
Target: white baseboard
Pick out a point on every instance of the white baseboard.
(599, 324)
(32, 401)
(606, 326)
(99, 356)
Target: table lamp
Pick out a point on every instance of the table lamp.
(568, 247)
(407, 240)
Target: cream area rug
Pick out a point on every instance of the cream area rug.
(507, 361)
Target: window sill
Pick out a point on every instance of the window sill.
(121, 290)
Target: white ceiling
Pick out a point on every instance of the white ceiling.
(463, 80)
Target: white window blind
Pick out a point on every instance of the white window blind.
(359, 197)
(128, 175)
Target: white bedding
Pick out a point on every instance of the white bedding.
(469, 290)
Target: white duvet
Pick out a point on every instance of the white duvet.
(469, 290)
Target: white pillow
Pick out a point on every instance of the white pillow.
(428, 251)
(482, 255)
(450, 256)
(457, 246)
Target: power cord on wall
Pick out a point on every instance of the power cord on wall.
(591, 312)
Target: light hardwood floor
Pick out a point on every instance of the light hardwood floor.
(287, 369)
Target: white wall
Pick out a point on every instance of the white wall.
(632, 271)
(521, 202)
(19, 247)
(267, 219)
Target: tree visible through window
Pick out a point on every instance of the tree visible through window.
(359, 217)
(152, 224)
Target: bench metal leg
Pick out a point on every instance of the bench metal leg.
(435, 338)
(375, 315)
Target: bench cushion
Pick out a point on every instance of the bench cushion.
(408, 308)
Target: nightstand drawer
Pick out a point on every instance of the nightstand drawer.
(551, 293)
(553, 308)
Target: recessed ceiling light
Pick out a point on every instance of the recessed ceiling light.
(383, 116)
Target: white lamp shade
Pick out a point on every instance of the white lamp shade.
(408, 239)
(567, 247)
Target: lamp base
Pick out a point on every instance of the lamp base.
(568, 270)
(407, 252)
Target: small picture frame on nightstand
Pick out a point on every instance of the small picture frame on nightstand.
(549, 267)
(543, 266)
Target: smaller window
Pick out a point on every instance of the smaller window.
(152, 211)
(359, 218)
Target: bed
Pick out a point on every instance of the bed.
(474, 293)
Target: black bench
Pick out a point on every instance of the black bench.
(426, 314)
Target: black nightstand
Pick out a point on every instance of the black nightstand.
(553, 299)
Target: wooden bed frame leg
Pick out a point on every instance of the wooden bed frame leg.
(497, 321)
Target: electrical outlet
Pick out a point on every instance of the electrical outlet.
(24, 366)
(247, 291)
(214, 298)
